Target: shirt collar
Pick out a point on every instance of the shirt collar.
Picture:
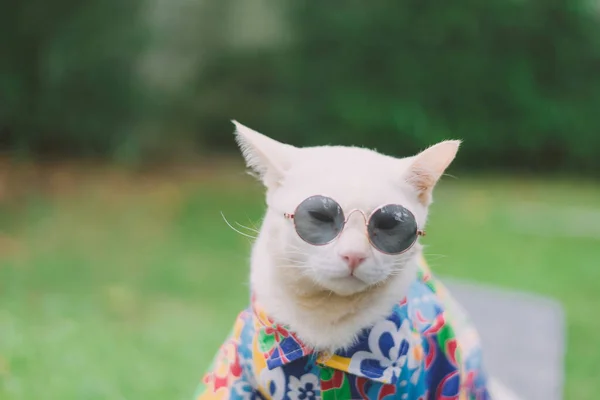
(380, 354)
(278, 344)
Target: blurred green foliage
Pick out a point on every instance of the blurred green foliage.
(518, 81)
(67, 75)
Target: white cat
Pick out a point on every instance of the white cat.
(294, 280)
(329, 294)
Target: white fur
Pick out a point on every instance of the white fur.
(310, 288)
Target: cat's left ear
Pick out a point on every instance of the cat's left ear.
(268, 158)
(428, 166)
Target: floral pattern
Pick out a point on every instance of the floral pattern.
(387, 354)
(306, 387)
(272, 381)
(425, 350)
(279, 345)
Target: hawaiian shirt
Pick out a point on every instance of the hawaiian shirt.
(425, 349)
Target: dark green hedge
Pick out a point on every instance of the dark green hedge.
(518, 81)
(68, 77)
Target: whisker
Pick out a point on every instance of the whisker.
(396, 273)
(291, 260)
(451, 176)
(252, 223)
(236, 230)
(291, 247)
(399, 264)
(297, 267)
(286, 257)
(293, 253)
(433, 254)
(246, 227)
(294, 250)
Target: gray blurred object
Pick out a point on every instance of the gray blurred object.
(523, 337)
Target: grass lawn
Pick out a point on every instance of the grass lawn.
(117, 285)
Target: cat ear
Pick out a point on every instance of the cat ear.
(268, 158)
(428, 166)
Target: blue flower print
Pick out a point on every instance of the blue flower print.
(305, 388)
(391, 349)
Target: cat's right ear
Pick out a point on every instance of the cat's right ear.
(429, 165)
(266, 157)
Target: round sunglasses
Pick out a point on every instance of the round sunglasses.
(392, 229)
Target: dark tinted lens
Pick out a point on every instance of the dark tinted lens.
(392, 229)
(318, 220)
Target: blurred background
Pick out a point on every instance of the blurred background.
(118, 276)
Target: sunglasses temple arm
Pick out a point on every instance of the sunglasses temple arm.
(421, 232)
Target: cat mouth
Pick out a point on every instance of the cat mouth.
(351, 279)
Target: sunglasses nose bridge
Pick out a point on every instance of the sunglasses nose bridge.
(356, 210)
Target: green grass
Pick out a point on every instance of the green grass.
(124, 289)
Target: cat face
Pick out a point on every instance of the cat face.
(357, 179)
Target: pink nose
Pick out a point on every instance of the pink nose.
(353, 260)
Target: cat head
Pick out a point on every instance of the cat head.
(357, 179)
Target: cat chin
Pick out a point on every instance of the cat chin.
(325, 316)
(346, 286)
(328, 321)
